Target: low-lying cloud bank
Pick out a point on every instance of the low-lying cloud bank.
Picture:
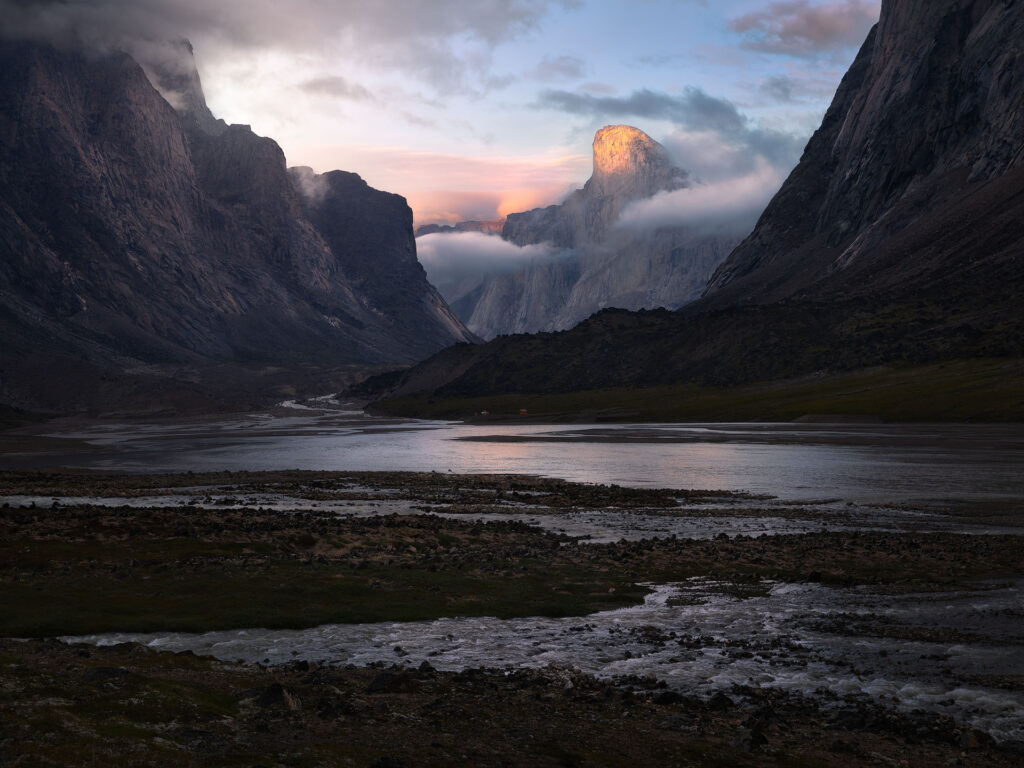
(450, 258)
(729, 205)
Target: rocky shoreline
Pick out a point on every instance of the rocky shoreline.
(86, 552)
(83, 705)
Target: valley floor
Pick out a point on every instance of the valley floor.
(592, 632)
(978, 390)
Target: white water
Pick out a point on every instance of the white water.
(778, 640)
(712, 641)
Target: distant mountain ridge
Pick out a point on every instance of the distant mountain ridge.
(487, 227)
(897, 240)
(610, 266)
(135, 236)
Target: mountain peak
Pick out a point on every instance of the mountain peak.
(628, 162)
(171, 68)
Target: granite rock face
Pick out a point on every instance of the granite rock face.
(609, 266)
(914, 178)
(135, 234)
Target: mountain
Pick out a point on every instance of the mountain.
(488, 227)
(914, 180)
(597, 259)
(140, 239)
(896, 241)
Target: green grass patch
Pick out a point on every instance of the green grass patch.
(962, 390)
(292, 594)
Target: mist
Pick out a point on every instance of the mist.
(450, 259)
(727, 205)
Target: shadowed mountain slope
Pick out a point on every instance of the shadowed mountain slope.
(913, 181)
(135, 235)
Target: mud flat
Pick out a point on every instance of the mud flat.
(433, 619)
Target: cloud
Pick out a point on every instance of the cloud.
(692, 108)
(488, 187)
(800, 28)
(338, 87)
(450, 258)
(729, 205)
(435, 206)
(779, 88)
(560, 68)
(737, 164)
(311, 185)
(445, 43)
(704, 121)
(594, 86)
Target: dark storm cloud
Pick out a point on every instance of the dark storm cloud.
(800, 28)
(409, 34)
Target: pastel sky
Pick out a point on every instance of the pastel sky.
(477, 108)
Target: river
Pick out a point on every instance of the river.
(852, 462)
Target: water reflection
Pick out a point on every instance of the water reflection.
(860, 463)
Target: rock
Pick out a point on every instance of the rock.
(276, 695)
(134, 234)
(749, 740)
(895, 240)
(668, 697)
(923, 132)
(101, 675)
(386, 762)
(842, 747)
(683, 723)
(603, 265)
(719, 702)
(392, 682)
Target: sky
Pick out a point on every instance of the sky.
(473, 109)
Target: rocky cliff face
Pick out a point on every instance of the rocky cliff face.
(133, 234)
(628, 165)
(609, 266)
(914, 176)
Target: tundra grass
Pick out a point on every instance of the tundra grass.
(958, 391)
(413, 571)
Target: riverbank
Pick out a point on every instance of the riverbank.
(984, 390)
(86, 706)
(85, 553)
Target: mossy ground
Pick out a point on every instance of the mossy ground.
(88, 569)
(76, 705)
(985, 390)
(83, 569)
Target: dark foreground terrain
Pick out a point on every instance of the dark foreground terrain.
(128, 705)
(84, 553)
